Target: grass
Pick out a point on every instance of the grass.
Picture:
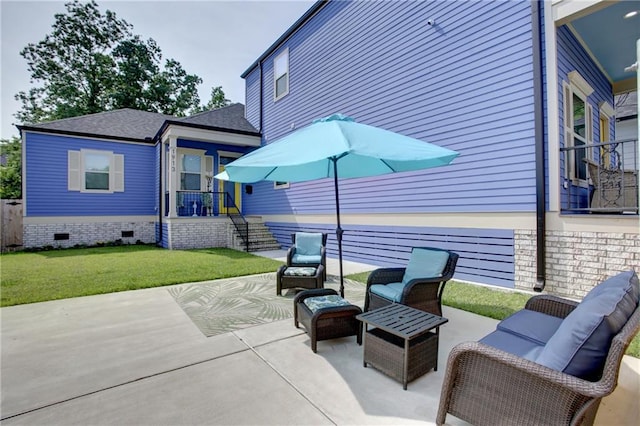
(489, 302)
(60, 274)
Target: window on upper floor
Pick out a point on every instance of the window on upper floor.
(95, 171)
(281, 75)
(578, 126)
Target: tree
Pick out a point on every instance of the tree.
(92, 62)
(218, 100)
(11, 168)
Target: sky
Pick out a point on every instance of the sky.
(216, 40)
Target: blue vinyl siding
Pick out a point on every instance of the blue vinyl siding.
(465, 84)
(486, 255)
(252, 98)
(46, 185)
(572, 57)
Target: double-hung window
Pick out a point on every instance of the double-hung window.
(95, 171)
(578, 126)
(281, 75)
(191, 172)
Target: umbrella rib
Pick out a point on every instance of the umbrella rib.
(387, 164)
(269, 174)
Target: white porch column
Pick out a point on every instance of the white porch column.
(172, 185)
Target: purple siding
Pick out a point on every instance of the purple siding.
(572, 57)
(486, 255)
(465, 83)
(46, 185)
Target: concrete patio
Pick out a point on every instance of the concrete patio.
(135, 358)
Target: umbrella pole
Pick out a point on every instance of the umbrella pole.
(338, 228)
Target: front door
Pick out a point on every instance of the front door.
(232, 188)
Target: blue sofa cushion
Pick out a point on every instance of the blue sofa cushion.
(302, 258)
(512, 344)
(391, 291)
(627, 280)
(425, 263)
(308, 243)
(531, 325)
(581, 344)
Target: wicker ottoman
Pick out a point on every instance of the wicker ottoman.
(329, 322)
(299, 277)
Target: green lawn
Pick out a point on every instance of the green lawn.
(489, 302)
(60, 274)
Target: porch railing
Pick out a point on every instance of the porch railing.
(600, 178)
(208, 204)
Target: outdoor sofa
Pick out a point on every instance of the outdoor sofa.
(550, 363)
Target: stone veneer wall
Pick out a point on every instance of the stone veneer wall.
(42, 235)
(189, 234)
(576, 261)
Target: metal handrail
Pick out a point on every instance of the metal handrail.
(615, 158)
(206, 204)
(238, 219)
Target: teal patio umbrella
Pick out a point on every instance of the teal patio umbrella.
(336, 147)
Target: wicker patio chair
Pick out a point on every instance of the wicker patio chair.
(407, 286)
(486, 386)
(308, 249)
(613, 189)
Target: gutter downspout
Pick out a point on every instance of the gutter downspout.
(160, 193)
(536, 20)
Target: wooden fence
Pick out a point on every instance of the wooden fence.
(11, 229)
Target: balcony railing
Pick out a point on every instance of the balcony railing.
(600, 178)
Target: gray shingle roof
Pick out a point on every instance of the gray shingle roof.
(121, 123)
(229, 117)
(131, 124)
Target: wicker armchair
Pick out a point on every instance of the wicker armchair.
(423, 292)
(294, 257)
(613, 189)
(486, 386)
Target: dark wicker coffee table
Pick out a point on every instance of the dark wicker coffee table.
(402, 343)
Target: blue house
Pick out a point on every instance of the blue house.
(542, 196)
(134, 176)
(523, 90)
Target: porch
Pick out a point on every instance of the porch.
(600, 178)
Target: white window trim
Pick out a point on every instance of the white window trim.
(287, 73)
(76, 173)
(578, 86)
(206, 163)
(281, 185)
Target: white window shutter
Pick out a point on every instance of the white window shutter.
(118, 173)
(74, 177)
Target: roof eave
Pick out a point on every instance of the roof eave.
(303, 19)
(84, 134)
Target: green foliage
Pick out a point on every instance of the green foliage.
(61, 274)
(218, 100)
(92, 62)
(11, 169)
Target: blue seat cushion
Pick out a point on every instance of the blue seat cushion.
(391, 291)
(513, 344)
(425, 263)
(319, 302)
(531, 325)
(306, 258)
(308, 243)
(581, 344)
